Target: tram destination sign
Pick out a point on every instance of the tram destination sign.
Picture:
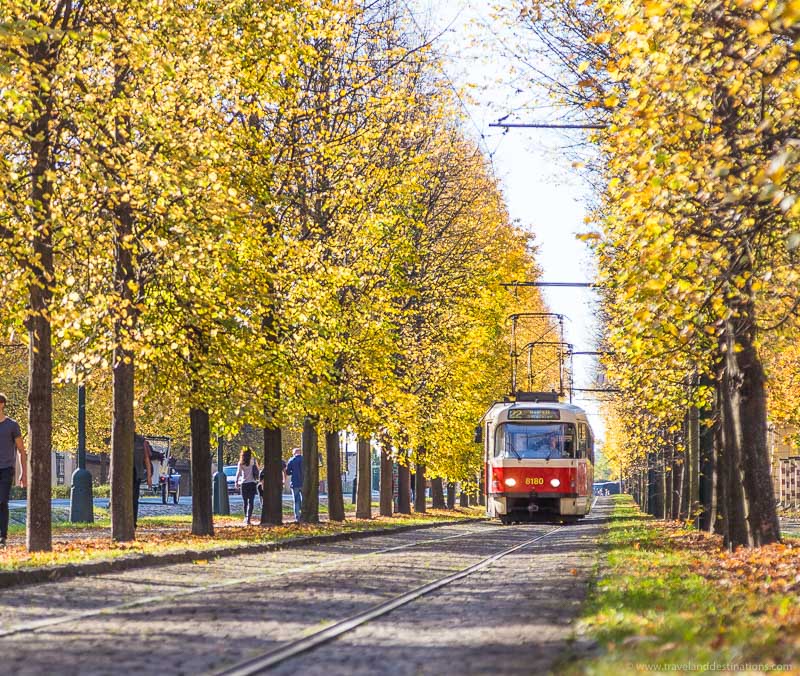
(534, 414)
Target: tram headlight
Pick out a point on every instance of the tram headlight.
(555, 483)
(511, 481)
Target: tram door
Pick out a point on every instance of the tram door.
(488, 453)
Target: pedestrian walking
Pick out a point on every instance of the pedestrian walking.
(142, 470)
(11, 446)
(294, 469)
(247, 479)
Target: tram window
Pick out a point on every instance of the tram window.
(535, 441)
(569, 443)
(581, 441)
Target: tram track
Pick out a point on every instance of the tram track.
(790, 526)
(413, 600)
(152, 601)
(271, 658)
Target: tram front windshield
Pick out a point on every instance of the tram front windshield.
(529, 441)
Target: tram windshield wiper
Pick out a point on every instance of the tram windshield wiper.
(514, 451)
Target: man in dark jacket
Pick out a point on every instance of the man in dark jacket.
(294, 469)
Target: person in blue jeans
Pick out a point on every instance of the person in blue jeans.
(294, 469)
(11, 446)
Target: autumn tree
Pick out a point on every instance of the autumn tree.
(135, 137)
(36, 85)
(453, 315)
(693, 227)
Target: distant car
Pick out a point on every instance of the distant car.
(230, 473)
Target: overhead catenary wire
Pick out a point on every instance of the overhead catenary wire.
(545, 125)
(453, 88)
(584, 285)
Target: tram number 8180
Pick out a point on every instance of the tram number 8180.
(534, 481)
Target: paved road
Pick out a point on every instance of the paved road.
(512, 617)
(152, 506)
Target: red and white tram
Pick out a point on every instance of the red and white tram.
(539, 456)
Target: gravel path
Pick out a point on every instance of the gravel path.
(508, 618)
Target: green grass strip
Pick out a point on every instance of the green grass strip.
(652, 608)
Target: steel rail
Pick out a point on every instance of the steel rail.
(45, 623)
(790, 526)
(274, 657)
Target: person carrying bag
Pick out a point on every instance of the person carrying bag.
(248, 472)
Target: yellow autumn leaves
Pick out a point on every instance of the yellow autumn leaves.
(269, 208)
(701, 181)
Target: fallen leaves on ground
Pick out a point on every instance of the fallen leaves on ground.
(772, 569)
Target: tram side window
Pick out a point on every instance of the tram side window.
(569, 441)
(581, 441)
(590, 446)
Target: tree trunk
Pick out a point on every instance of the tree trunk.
(40, 394)
(364, 489)
(642, 490)
(639, 494)
(720, 487)
(40, 416)
(663, 487)
(202, 513)
(42, 54)
(685, 503)
(652, 484)
(451, 495)
(334, 461)
(419, 489)
(272, 503)
(668, 482)
(707, 479)
(437, 494)
(693, 464)
(310, 444)
(758, 487)
(750, 503)
(735, 531)
(677, 484)
(386, 480)
(403, 489)
(122, 518)
(122, 430)
(463, 500)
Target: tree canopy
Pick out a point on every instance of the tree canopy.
(259, 213)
